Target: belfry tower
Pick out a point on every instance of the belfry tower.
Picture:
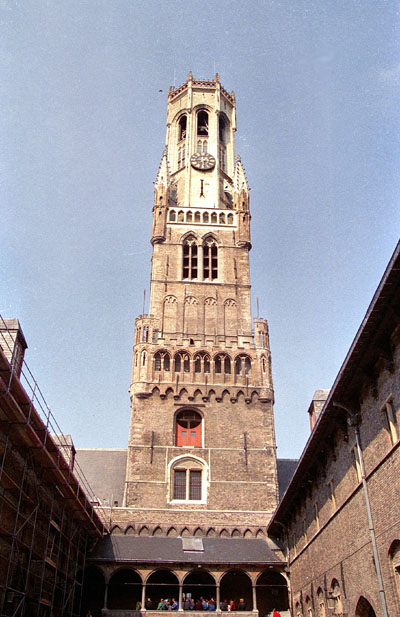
(201, 452)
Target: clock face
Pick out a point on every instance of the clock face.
(203, 161)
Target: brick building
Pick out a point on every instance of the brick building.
(339, 518)
(201, 472)
(47, 523)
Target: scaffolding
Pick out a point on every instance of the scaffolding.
(47, 516)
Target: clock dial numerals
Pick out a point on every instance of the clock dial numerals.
(202, 161)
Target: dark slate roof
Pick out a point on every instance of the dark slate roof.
(105, 471)
(286, 468)
(170, 550)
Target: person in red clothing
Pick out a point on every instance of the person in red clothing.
(275, 613)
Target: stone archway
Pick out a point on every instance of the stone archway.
(271, 592)
(199, 583)
(124, 589)
(236, 584)
(364, 608)
(92, 591)
(162, 583)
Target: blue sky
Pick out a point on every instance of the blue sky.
(82, 126)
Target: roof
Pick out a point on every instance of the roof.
(379, 322)
(286, 468)
(120, 548)
(105, 471)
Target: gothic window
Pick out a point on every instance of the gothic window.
(189, 217)
(321, 603)
(205, 217)
(181, 157)
(139, 330)
(202, 122)
(222, 364)
(263, 365)
(222, 133)
(214, 217)
(188, 429)
(202, 363)
(144, 358)
(197, 218)
(210, 259)
(182, 127)
(202, 146)
(181, 216)
(391, 422)
(230, 219)
(189, 258)
(136, 358)
(337, 597)
(145, 334)
(182, 362)
(222, 218)
(222, 157)
(172, 215)
(242, 363)
(161, 361)
(187, 478)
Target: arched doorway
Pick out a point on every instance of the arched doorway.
(199, 583)
(162, 584)
(364, 608)
(124, 589)
(92, 591)
(236, 584)
(271, 592)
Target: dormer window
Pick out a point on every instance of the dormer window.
(202, 122)
(182, 128)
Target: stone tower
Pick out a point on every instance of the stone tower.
(201, 453)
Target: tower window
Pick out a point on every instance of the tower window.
(222, 157)
(180, 216)
(222, 126)
(188, 429)
(210, 260)
(182, 361)
(188, 477)
(202, 146)
(230, 219)
(189, 217)
(172, 215)
(202, 122)
(189, 259)
(181, 157)
(182, 127)
(223, 364)
(161, 361)
(391, 421)
(222, 218)
(202, 363)
(205, 217)
(242, 363)
(214, 217)
(197, 218)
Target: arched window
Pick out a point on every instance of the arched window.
(181, 156)
(205, 217)
(181, 216)
(197, 217)
(214, 217)
(321, 603)
(143, 358)
(182, 127)
(172, 215)
(189, 217)
(187, 480)
(189, 259)
(230, 219)
(242, 363)
(202, 146)
(222, 129)
(210, 259)
(188, 429)
(222, 218)
(222, 364)
(161, 361)
(202, 363)
(182, 362)
(202, 122)
(337, 597)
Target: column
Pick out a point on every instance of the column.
(254, 598)
(218, 598)
(143, 596)
(180, 607)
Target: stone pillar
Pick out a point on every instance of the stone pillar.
(254, 598)
(143, 596)
(180, 607)
(218, 598)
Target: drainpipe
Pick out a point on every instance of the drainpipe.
(354, 421)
